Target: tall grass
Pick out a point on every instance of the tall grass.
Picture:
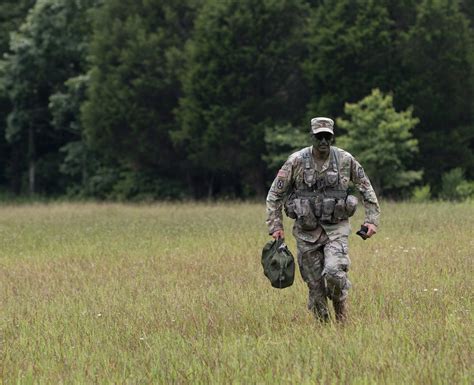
(174, 293)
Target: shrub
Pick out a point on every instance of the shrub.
(455, 187)
(421, 194)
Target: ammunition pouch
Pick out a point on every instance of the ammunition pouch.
(290, 208)
(309, 208)
(318, 208)
(340, 210)
(328, 209)
(305, 214)
(351, 205)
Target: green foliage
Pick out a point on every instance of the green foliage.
(213, 105)
(438, 84)
(65, 105)
(351, 48)
(242, 76)
(381, 139)
(422, 51)
(12, 13)
(135, 186)
(421, 194)
(136, 55)
(80, 161)
(280, 142)
(465, 189)
(117, 183)
(455, 187)
(49, 48)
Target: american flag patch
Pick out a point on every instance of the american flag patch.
(282, 173)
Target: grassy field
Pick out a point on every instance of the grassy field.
(175, 294)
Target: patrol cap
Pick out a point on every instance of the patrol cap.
(322, 125)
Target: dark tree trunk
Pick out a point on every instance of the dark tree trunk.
(31, 161)
(15, 169)
(210, 189)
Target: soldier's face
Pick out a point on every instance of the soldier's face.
(322, 141)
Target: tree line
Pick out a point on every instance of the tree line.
(126, 99)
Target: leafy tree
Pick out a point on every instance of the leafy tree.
(80, 162)
(4, 149)
(281, 141)
(12, 13)
(136, 56)
(438, 83)
(381, 139)
(422, 51)
(351, 51)
(48, 49)
(467, 7)
(242, 76)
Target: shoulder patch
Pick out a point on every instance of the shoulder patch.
(282, 173)
(360, 172)
(280, 184)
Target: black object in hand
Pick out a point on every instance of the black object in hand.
(363, 232)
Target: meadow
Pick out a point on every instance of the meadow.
(173, 293)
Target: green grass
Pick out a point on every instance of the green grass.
(175, 294)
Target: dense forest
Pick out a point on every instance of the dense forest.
(157, 99)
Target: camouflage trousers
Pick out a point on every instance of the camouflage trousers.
(324, 265)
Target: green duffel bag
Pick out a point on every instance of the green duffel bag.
(278, 264)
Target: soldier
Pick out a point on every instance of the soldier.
(312, 187)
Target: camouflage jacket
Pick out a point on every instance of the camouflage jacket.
(290, 179)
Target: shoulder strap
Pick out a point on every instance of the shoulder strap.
(307, 158)
(335, 159)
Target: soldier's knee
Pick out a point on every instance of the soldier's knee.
(337, 261)
(336, 275)
(336, 268)
(316, 285)
(333, 273)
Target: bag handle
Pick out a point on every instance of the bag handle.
(280, 241)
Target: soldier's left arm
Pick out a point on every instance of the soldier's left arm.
(362, 183)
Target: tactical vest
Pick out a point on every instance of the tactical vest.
(322, 199)
(327, 186)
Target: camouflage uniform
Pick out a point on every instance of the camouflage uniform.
(323, 248)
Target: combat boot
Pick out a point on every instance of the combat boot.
(318, 304)
(322, 316)
(340, 308)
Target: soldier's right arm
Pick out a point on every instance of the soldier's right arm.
(281, 187)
